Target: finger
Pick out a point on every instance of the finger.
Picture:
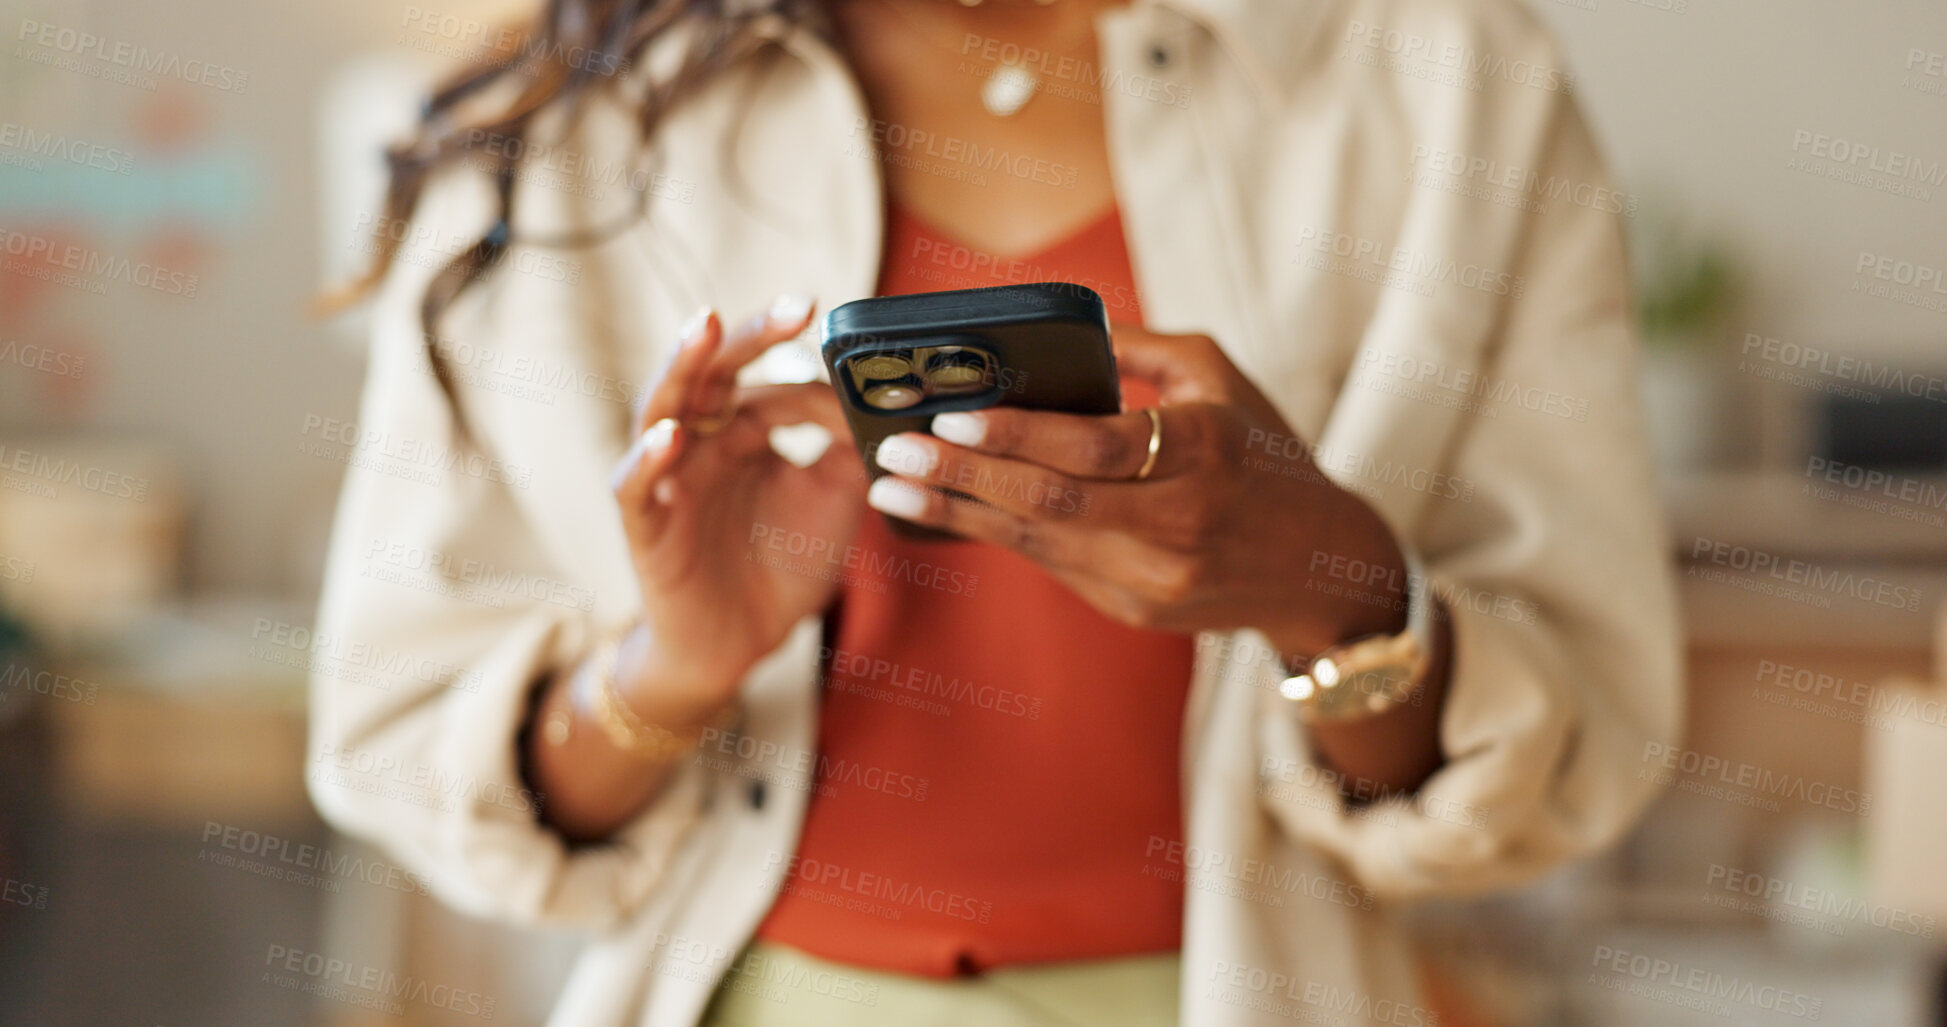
(697, 341)
(1017, 487)
(1184, 368)
(795, 403)
(1110, 447)
(788, 315)
(1051, 545)
(758, 409)
(640, 474)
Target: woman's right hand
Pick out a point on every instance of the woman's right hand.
(702, 495)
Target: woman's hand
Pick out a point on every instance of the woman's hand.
(1234, 527)
(702, 486)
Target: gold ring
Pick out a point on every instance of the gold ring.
(709, 425)
(1155, 442)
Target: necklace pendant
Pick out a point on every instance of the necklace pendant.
(1009, 89)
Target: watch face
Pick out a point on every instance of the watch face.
(1361, 693)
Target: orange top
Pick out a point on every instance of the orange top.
(998, 764)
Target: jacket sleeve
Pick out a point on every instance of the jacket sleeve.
(1546, 547)
(450, 593)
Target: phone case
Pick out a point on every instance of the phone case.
(1041, 346)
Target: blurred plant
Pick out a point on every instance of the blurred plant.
(1685, 289)
(15, 646)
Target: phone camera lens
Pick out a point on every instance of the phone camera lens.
(878, 366)
(895, 393)
(956, 369)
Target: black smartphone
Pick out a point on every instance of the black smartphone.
(898, 360)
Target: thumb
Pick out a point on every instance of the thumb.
(1182, 368)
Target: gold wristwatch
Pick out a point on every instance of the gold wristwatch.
(1369, 675)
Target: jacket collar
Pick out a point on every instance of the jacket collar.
(1267, 38)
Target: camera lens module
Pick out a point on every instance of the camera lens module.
(894, 364)
(895, 393)
(952, 369)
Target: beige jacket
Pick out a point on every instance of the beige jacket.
(1391, 216)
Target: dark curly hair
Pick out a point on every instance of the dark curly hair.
(571, 51)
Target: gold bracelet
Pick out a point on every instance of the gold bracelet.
(626, 730)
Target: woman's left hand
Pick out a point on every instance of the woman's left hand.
(1235, 526)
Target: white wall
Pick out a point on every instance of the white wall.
(1702, 108)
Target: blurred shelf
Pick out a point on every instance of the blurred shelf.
(1786, 512)
(1786, 517)
(187, 715)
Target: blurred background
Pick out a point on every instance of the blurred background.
(166, 492)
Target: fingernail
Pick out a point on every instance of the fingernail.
(658, 436)
(790, 308)
(891, 496)
(694, 326)
(961, 429)
(905, 455)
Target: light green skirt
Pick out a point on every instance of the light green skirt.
(774, 985)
